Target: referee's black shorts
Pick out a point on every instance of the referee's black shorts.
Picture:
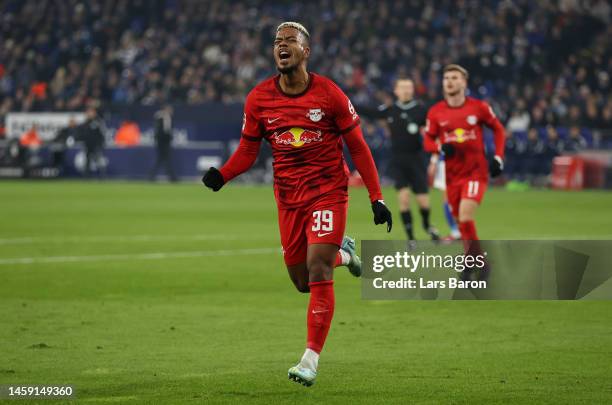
(410, 170)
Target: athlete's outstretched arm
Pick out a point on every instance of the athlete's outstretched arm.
(430, 144)
(241, 160)
(246, 153)
(496, 166)
(364, 162)
(379, 113)
(430, 134)
(347, 121)
(499, 136)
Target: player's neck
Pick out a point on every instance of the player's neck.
(295, 82)
(455, 100)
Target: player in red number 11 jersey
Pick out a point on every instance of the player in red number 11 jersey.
(306, 119)
(454, 127)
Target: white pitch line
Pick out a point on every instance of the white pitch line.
(223, 237)
(138, 256)
(122, 238)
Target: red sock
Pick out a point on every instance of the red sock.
(471, 244)
(468, 230)
(320, 313)
(338, 260)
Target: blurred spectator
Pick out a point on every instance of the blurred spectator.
(29, 145)
(30, 139)
(64, 138)
(535, 154)
(575, 142)
(515, 156)
(554, 146)
(553, 58)
(605, 123)
(591, 115)
(128, 134)
(519, 118)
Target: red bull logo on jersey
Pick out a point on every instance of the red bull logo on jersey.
(297, 137)
(460, 135)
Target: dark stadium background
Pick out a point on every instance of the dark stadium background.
(161, 292)
(542, 65)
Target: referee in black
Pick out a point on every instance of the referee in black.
(405, 118)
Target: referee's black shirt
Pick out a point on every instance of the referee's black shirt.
(405, 121)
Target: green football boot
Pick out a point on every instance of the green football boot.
(354, 266)
(301, 375)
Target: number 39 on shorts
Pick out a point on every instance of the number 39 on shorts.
(323, 221)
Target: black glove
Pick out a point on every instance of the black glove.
(496, 166)
(382, 214)
(448, 149)
(213, 179)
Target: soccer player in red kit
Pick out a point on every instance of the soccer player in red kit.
(305, 118)
(454, 127)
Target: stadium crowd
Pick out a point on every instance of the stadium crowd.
(540, 64)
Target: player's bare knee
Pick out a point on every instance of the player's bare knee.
(466, 214)
(320, 270)
(464, 217)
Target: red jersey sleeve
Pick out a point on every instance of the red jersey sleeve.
(345, 116)
(430, 141)
(251, 127)
(245, 155)
(362, 158)
(487, 115)
(347, 122)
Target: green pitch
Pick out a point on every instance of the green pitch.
(172, 294)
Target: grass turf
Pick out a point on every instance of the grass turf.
(110, 297)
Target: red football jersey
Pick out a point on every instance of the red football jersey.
(304, 133)
(462, 127)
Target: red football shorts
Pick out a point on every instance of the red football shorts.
(322, 221)
(469, 189)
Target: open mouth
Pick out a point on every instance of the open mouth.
(283, 55)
